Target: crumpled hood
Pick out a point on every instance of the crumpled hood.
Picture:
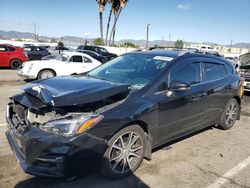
(72, 90)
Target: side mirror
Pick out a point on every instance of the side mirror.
(179, 86)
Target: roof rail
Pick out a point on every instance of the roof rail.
(191, 50)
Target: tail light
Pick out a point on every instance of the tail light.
(242, 86)
(25, 54)
(242, 80)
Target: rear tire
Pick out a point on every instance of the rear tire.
(43, 74)
(15, 64)
(125, 152)
(229, 115)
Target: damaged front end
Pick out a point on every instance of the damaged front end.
(49, 134)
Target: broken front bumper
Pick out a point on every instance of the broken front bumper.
(24, 76)
(44, 154)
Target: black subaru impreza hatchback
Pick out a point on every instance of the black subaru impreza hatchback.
(116, 114)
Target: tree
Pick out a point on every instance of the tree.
(119, 5)
(179, 44)
(116, 7)
(101, 4)
(129, 45)
(97, 41)
(53, 40)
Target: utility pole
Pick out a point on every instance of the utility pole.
(231, 45)
(169, 39)
(35, 30)
(162, 41)
(147, 36)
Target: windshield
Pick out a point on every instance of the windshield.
(62, 57)
(135, 69)
(245, 60)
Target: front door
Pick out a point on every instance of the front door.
(181, 112)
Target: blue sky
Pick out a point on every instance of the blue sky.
(217, 21)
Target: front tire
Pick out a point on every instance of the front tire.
(229, 115)
(43, 74)
(125, 152)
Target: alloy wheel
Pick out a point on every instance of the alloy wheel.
(46, 74)
(126, 152)
(231, 114)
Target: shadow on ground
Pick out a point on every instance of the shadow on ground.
(89, 181)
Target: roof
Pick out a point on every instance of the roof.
(169, 53)
(178, 53)
(70, 53)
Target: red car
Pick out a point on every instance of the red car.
(11, 56)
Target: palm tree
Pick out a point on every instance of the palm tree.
(111, 2)
(101, 4)
(120, 4)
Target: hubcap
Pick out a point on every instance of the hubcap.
(46, 74)
(231, 114)
(126, 152)
(16, 64)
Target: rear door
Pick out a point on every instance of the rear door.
(30, 50)
(4, 56)
(217, 86)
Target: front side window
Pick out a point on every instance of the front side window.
(103, 50)
(87, 60)
(76, 59)
(212, 71)
(62, 57)
(189, 74)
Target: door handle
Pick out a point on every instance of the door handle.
(198, 96)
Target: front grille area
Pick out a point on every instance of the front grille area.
(16, 117)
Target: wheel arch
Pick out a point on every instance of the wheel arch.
(237, 98)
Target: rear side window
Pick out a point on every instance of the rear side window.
(189, 73)
(230, 69)
(87, 60)
(212, 71)
(3, 48)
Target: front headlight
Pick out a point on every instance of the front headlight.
(72, 124)
(30, 67)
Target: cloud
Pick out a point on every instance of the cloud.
(184, 6)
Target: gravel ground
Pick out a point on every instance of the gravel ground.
(197, 161)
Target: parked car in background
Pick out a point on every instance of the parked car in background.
(11, 56)
(101, 58)
(244, 70)
(36, 52)
(234, 58)
(55, 50)
(48, 57)
(100, 50)
(116, 114)
(66, 63)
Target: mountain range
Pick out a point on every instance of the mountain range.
(73, 40)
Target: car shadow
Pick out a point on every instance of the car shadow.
(88, 180)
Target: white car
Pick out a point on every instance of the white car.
(66, 63)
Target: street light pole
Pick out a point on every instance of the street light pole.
(147, 35)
